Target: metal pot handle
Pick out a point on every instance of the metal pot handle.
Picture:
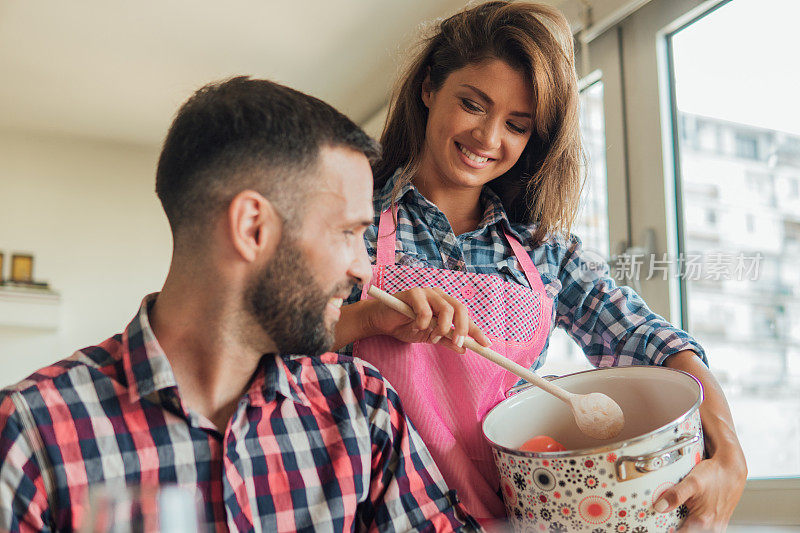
(628, 468)
(522, 386)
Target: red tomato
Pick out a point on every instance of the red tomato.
(542, 443)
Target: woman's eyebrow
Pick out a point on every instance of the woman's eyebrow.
(489, 101)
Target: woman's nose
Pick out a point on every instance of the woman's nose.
(488, 133)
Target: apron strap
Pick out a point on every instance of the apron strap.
(386, 243)
(530, 270)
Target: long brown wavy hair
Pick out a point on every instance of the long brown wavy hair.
(544, 185)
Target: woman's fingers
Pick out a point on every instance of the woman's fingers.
(450, 345)
(417, 299)
(451, 315)
(461, 320)
(479, 336)
(445, 309)
(464, 326)
(710, 493)
(677, 495)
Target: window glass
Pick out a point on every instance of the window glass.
(739, 151)
(564, 356)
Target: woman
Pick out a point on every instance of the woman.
(475, 192)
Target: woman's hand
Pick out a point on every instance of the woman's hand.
(713, 487)
(710, 492)
(427, 303)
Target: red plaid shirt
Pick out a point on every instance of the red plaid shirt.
(316, 444)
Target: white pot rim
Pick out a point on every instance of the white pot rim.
(606, 447)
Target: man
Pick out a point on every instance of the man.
(267, 192)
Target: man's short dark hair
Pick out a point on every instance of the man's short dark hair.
(246, 134)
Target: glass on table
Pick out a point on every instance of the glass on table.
(138, 509)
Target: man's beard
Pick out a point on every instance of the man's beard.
(289, 305)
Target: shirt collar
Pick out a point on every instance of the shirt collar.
(493, 210)
(148, 370)
(275, 379)
(384, 197)
(146, 367)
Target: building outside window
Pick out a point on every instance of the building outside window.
(748, 321)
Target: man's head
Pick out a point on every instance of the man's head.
(274, 187)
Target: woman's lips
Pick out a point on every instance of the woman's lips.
(470, 158)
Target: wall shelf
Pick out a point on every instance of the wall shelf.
(29, 308)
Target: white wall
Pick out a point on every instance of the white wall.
(373, 126)
(88, 213)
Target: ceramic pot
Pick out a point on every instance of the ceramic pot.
(598, 486)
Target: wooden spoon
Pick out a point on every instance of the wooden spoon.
(596, 415)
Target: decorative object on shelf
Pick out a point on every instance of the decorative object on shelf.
(22, 274)
(25, 303)
(21, 268)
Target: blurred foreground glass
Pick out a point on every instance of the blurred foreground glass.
(170, 509)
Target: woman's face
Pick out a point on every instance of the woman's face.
(479, 122)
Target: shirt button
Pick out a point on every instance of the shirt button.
(467, 292)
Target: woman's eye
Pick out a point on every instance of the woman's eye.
(516, 128)
(469, 105)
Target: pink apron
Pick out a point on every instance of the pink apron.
(446, 395)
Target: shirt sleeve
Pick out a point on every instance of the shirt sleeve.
(612, 324)
(407, 491)
(23, 499)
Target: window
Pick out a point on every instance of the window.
(746, 145)
(748, 322)
(564, 356)
(592, 222)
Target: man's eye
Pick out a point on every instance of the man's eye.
(469, 105)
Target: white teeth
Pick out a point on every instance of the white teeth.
(473, 157)
(337, 302)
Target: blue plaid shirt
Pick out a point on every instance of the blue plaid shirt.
(612, 324)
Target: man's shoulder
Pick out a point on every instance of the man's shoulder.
(87, 365)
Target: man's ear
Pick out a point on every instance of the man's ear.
(254, 225)
(426, 91)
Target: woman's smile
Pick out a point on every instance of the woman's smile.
(472, 158)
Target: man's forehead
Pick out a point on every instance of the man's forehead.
(343, 182)
(351, 205)
(340, 163)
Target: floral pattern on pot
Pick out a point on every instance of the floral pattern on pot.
(582, 493)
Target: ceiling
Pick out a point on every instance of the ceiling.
(118, 70)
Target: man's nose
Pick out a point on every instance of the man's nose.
(360, 268)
